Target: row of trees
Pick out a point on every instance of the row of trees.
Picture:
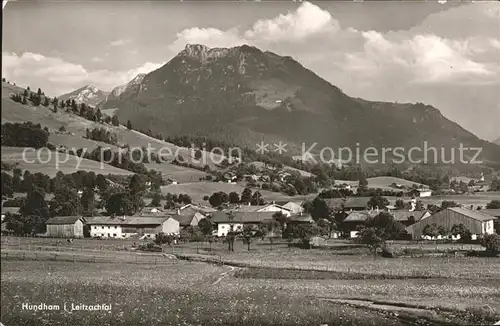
(35, 210)
(220, 198)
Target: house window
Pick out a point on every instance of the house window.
(103, 227)
(222, 227)
(114, 234)
(116, 227)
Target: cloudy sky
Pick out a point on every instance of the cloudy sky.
(446, 55)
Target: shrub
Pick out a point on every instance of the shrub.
(491, 242)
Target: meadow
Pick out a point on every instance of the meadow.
(178, 173)
(282, 286)
(49, 164)
(184, 294)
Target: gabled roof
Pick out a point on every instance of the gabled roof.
(404, 215)
(282, 203)
(190, 209)
(360, 216)
(256, 208)
(187, 219)
(491, 211)
(401, 215)
(301, 218)
(59, 220)
(242, 217)
(474, 214)
(127, 220)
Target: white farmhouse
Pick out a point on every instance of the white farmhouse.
(122, 227)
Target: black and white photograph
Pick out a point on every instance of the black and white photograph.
(252, 163)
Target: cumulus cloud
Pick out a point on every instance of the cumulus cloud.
(57, 76)
(421, 59)
(307, 20)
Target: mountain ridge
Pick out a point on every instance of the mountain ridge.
(88, 94)
(247, 91)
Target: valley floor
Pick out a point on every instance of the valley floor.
(260, 287)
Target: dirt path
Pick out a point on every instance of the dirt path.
(222, 275)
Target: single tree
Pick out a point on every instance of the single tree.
(115, 121)
(257, 199)
(378, 202)
(88, 201)
(378, 229)
(400, 204)
(247, 234)
(129, 125)
(218, 198)
(156, 201)
(448, 204)
(234, 197)
(246, 196)
(491, 242)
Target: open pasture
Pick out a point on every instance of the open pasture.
(177, 173)
(328, 261)
(52, 162)
(184, 294)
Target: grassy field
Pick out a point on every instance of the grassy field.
(202, 294)
(13, 155)
(477, 199)
(176, 172)
(383, 183)
(184, 294)
(260, 165)
(285, 286)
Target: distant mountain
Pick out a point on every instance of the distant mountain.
(497, 141)
(244, 95)
(88, 94)
(128, 89)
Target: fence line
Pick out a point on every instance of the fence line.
(68, 257)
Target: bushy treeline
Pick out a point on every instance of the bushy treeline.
(102, 134)
(25, 134)
(73, 194)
